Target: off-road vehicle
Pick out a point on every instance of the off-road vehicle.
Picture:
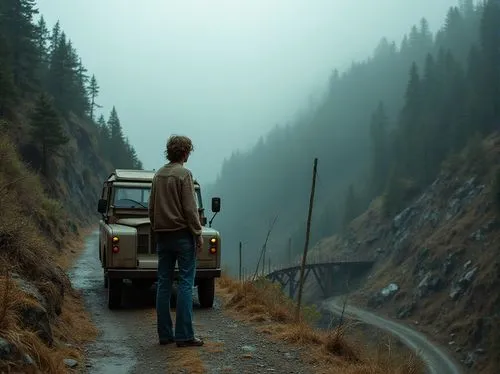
(127, 248)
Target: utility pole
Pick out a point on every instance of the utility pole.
(306, 245)
(240, 264)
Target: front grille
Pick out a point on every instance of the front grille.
(143, 244)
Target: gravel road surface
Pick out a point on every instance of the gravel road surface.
(437, 359)
(128, 342)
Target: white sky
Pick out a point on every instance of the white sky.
(222, 72)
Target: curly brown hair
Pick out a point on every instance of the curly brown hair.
(178, 147)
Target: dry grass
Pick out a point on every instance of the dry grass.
(186, 361)
(70, 330)
(329, 352)
(37, 242)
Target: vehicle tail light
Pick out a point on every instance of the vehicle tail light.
(213, 246)
(116, 249)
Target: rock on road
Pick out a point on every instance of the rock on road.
(436, 358)
(128, 344)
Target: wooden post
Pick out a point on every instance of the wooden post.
(262, 252)
(240, 264)
(308, 231)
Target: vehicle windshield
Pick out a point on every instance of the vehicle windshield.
(129, 197)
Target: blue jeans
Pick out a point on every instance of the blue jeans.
(171, 247)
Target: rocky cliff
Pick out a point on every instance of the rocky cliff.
(436, 262)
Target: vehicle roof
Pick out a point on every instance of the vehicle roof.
(133, 175)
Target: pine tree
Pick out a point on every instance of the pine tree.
(104, 137)
(8, 93)
(103, 127)
(42, 45)
(47, 130)
(490, 43)
(34, 60)
(59, 70)
(426, 38)
(466, 7)
(55, 35)
(133, 161)
(16, 25)
(67, 78)
(409, 123)
(93, 92)
(380, 149)
(116, 139)
(81, 80)
(7, 89)
(42, 41)
(115, 128)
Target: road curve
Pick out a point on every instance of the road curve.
(436, 358)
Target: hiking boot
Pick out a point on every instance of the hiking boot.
(195, 342)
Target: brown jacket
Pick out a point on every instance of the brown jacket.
(172, 204)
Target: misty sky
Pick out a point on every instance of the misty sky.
(222, 72)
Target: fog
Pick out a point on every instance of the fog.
(222, 72)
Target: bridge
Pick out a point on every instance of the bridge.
(328, 275)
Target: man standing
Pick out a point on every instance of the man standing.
(176, 223)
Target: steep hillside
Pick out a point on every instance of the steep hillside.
(42, 320)
(436, 261)
(351, 132)
(53, 158)
(78, 171)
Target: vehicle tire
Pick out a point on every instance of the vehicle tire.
(114, 293)
(206, 292)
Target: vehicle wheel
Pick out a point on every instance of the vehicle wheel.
(114, 293)
(206, 292)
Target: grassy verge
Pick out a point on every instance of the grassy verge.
(329, 352)
(42, 319)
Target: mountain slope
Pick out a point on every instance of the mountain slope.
(440, 254)
(274, 178)
(53, 159)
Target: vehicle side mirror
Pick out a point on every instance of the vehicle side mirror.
(216, 204)
(102, 205)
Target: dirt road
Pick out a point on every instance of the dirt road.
(438, 361)
(128, 342)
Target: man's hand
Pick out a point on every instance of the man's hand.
(199, 243)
